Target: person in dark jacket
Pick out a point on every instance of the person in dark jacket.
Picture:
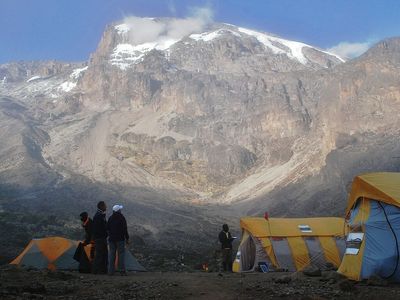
(80, 254)
(225, 238)
(87, 225)
(99, 235)
(117, 237)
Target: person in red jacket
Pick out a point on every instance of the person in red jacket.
(117, 238)
(87, 224)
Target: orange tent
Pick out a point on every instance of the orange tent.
(49, 253)
(56, 253)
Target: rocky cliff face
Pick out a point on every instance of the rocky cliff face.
(225, 115)
(208, 109)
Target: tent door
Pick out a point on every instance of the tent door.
(248, 255)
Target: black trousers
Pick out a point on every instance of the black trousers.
(226, 256)
(100, 256)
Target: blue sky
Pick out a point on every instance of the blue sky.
(70, 30)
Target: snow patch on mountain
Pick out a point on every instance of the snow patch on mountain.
(38, 88)
(126, 55)
(209, 36)
(206, 36)
(333, 54)
(77, 73)
(33, 78)
(67, 86)
(292, 49)
(295, 48)
(122, 28)
(54, 87)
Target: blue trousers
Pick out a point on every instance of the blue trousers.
(114, 248)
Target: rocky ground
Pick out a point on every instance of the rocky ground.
(33, 284)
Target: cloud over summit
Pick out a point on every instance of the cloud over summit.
(147, 30)
(350, 50)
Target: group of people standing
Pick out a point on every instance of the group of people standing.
(107, 239)
(110, 237)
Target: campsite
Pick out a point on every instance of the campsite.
(199, 149)
(308, 258)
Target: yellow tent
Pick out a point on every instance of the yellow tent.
(373, 213)
(290, 244)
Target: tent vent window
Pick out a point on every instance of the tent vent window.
(353, 242)
(305, 228)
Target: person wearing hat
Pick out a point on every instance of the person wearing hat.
(117, 238)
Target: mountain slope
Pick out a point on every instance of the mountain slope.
(222, 116)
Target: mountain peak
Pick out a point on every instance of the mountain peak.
(389, 46)
(136, 37)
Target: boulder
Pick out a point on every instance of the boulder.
(332, 276)
(346, 285)
(283, 279)
(377, 281)
(312, 271)
(330, 267)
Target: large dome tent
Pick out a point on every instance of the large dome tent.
(289, 243)
(373, 217)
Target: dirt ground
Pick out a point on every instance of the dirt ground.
(33, 284)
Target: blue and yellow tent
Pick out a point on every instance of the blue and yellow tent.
(373, 214)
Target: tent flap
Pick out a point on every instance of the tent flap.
(330, 250)
(300, 253)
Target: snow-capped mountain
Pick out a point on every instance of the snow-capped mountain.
(127, 53)
(202, 113)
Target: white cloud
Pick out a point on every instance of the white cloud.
(143, 29)
(350, 50)
(150, 30)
